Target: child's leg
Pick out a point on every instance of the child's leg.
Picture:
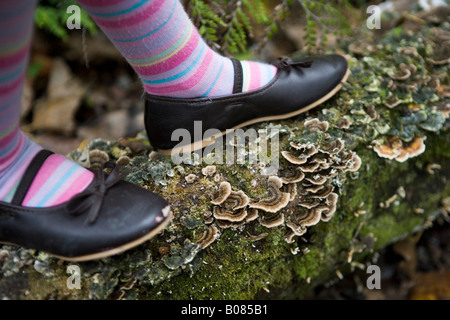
(59, 179)
(165, 49)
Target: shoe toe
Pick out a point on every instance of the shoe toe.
(337, 65)
(132, 211)
(129, 215)
(328, 71)
(321, 79)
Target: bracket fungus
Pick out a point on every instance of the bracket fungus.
(324, 192)
(316, 179)
(208, 237)
(331, 203)
(332, 146)
(372, 112)
(294, 159)
(307, 148)
(293, 176)
(316, 200)
(222, 194)
(302, 219)
(290, 188)
(209, 170)
(135, 145)
(272, 220)
(392, 102)
(224, 224)
(276, 200)
(404, 72)
(252, 214)
(319, 158)
(308, 202)
(354, 164)
(315, 125)
(310, 167)
(221, 213)
(208, 217)
(123, 160)
(308, 187)
(412, 149)
(190, 178)
(300, 154)
(409, 51)
(343, 123)
(302, 195)
(231, 206)
(309, 217)
(401, 150)
(236, 200)
(97, 158)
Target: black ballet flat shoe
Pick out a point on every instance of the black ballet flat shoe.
(109, 217)
(297, 87)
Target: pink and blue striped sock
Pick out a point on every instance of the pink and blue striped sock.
(59, 179)
(165, 49)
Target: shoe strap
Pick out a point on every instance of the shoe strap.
(30, 174)
(238, 76)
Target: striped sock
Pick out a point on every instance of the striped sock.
(165, 49)
(59, 178)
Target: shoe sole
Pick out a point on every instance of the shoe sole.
(204, 143)
(116, 250)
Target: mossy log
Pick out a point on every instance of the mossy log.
(395, 104)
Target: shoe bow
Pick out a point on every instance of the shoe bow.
(287, 63)
(92, 198)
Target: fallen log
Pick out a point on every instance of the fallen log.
(365, 169)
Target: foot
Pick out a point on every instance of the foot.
(108, 217)
(166, 50)
(297, 87)
(57, 180)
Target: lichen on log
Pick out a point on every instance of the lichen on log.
(384, 154)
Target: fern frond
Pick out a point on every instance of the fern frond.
(227, 25)
(51, 16)
(326, 16)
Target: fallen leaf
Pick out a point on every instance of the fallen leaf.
(56, 111)
(434, 285)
